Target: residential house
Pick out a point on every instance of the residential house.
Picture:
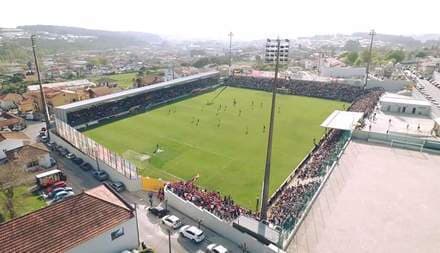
(56, 97)
(31, 156)
(10, 101)
(27, 105)
(98, 220)
(11, 121)
(102, 91)
(147, 80)
(10, 141)
(69, 85)
(63, 97)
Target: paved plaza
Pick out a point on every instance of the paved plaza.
(378, 199)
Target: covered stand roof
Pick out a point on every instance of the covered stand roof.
(133, 92)
(342, 120)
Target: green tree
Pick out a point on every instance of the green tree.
(351, 58)
(11, 176)
(421, 54)
(395, 56)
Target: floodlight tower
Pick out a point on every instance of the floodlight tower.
(372, 33)
(43, 98)
(277, 51)
(230, 51)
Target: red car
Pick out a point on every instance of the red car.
(59, 184)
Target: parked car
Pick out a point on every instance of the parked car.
(193, 233)
(64, 152)
(216, 248)
(70, 156)
(50, 145)
(172, 221)
(118, 186)
(100, 175)
(158, 211)
(44, 139)
(77, 161)
(86, 167)
(62, 195)
(59, 184)
(59, 148)
(53, 162)
(54, 192)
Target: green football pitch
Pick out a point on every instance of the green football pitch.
(221, 141)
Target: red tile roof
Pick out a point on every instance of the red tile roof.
(64, 225)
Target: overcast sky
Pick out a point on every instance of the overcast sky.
(250, 19)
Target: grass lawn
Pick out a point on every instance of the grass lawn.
(226, 148)
(24, 202)
(124, 80)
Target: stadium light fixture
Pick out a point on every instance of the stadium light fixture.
(277, 52)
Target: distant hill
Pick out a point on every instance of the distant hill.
(15, 42)
(127, 37)
(427, 37)
(406, 41)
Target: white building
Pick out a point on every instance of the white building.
(69, 85)
(97, 220)
(32, 156)
(405, 105)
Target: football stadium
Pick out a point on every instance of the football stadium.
(219, 137)
(206, 136)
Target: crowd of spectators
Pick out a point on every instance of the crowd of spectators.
(137, 102)
(291, 203)
(338, 91)
(222, 207)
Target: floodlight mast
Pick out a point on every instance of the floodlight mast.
(40, 83)
(367, 70)
(276, 51)
(230, 51)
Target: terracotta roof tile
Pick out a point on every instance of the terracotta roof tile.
(64, 225)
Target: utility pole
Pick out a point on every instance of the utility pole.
(372, 33)
(169, 240)
(43, 98)
(230, 51)
(276, 51)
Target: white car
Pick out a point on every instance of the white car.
(193, 233)
(172, 221)
(216, 248)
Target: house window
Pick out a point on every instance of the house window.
(32, 164)
(117, 233)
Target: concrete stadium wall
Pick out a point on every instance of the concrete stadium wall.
(342, 72)
(219, 226)
(130, 184)
(388, 85)
(399, 140)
